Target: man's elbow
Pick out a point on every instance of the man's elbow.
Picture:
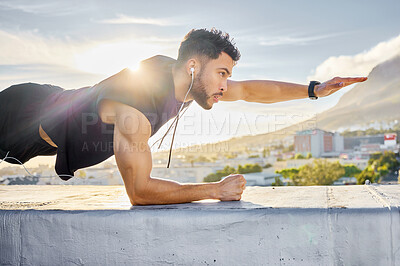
(138, 202)
(141, 194)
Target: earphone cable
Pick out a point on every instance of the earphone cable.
(177, 119)
(165, 134)
(26, 170)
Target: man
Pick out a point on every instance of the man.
(119, 115)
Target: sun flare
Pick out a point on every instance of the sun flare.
(109, 58)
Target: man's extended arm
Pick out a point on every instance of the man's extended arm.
(131, 133)
(267, 91)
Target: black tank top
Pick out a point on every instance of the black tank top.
(71, 119)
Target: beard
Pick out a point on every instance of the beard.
(199, 94)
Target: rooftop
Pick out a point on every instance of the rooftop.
(115, 198)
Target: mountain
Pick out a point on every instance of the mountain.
(377, 99)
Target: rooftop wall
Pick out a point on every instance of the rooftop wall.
(89, 225)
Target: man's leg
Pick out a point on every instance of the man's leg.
(20, 121)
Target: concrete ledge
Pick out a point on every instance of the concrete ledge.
(89, 225)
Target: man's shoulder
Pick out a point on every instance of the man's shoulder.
(157, 61)
(143, 89)
(148, 70)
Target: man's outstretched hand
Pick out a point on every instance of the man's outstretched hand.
(231, 187)
(335, 84)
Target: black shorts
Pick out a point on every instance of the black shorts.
(20, 107)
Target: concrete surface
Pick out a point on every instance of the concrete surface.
(95, 225)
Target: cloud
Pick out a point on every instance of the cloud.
(123, 19)
(50, 74)
(357, 65)
(28, 56)
(29, 48)
(290, 40)
(47, 8)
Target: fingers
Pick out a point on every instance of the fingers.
(348, 79)
(343, 82)
(352, 80)
(360, 79)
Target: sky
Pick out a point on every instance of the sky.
(74, 44)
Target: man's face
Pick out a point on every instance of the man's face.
(212, 81)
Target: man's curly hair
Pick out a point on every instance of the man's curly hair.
(207, 44)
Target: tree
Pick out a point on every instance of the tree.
(373, 157)
(350, 170)
(278, 182)
(212, 178)
(81, 174)
(202, 159)
(230, 155)
(366, 174)
(215, 177)
(290, 173)
(383, 170)
(265, 152)
(249, 168)
(289, 148)
(299, 156)
(309, 155)
(388, 158)
(267, 165)
(383, 164)
(320, 172)
(371, 131)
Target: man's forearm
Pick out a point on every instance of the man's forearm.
(266, 91)
(133, 157)
(161, 191)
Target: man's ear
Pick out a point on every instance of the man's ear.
(192, 64)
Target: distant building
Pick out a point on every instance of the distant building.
(264, 178)
(363, 146)
(318, 142)
(352, 143)
(360, 163)
(186, 174)
(19, 180)
(390, 139)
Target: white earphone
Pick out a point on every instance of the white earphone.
(192, 70)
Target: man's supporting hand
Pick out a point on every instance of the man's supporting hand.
(231, 187)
